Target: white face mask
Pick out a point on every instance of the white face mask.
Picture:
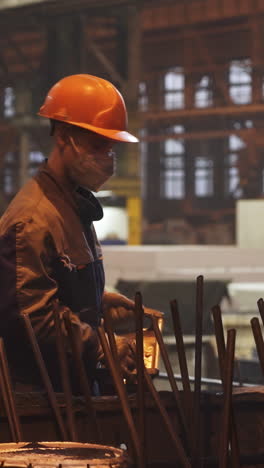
(91, 168)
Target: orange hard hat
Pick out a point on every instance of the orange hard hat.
(90, 102)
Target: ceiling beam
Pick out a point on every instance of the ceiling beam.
(238, 110)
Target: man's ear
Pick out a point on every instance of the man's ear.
(61, 134)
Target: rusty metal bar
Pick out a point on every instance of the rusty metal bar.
(7, 408)
(255, 325)
(261, 309)
(167, 423)
(187, 394)
(118, 381)
(65, 377)
(44, 374)
(139, 314)
(175, 390)
(228, 377)
(221, 349)
(8, 395)
(198, 367)
(220, 339)
(83, 379)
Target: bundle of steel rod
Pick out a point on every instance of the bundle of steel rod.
(188, 447)
(184, 433)
(68, 431)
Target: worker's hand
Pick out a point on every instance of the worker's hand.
(119, 307)
(126, 350)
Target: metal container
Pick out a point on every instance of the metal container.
(61, 454)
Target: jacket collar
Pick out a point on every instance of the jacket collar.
(82, 201)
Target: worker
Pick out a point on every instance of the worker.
(49, 253)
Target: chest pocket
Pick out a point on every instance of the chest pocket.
(80, 287)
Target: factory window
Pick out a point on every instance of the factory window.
(236, 143)
(36, 157)
(232, 178)
(142, 96)
(173, 170)
(8, 181)
(234, 167)
(204, 177)
(177, 129)
(9, 102)
(203, 93)
(9, 173)
(240, 81)
(174, 89)
(143, 145)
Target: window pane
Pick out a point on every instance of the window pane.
(143, 97)
(8, 181)
(174, 89)
(240, 80)
(174, 146)
(36, 156)
(173, 186)
(9, 102)
(173, 170)
(174, 80)
(204, 183)
(203, 94)
(174, 100)
(240, 71)
(232, 175)
(241, 94)
(236, 143)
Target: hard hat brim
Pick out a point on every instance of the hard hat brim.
(117, 135)
(111, 134)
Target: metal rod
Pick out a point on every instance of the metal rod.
(187, 394)
(119, 383)
(7, 407)
(6, 383)
(228, 377)
(220, 338)
(122, 395)
(112, 342)
(204, 380)
(198, 367)
(65, 376)
(83, 379)
(167, 423)
(44, 375)
(175, 390)
(221, 349)
(139, 314)
(255, 325)
(261, 309)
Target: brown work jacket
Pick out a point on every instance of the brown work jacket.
(49, 254)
